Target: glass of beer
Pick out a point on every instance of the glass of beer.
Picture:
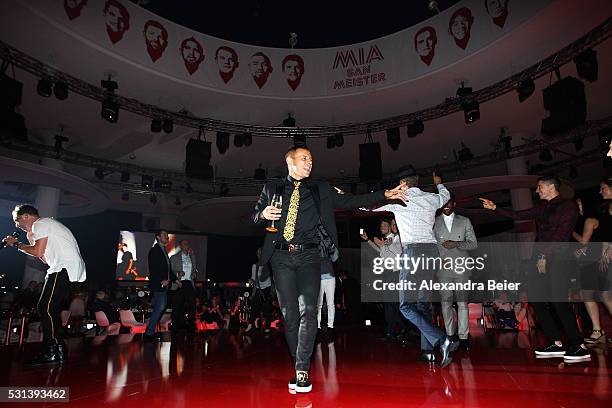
(277, 202)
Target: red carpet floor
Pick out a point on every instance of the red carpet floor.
(355, 370)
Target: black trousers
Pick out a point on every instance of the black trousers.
(298, 279)
(55, 290)
(183, 307)
(262, 304)
(554, 285)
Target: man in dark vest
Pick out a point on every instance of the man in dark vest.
(307, 214)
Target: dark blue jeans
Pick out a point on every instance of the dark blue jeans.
(159, 306)
(416, 307)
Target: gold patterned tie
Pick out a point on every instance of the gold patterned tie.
(294, 204)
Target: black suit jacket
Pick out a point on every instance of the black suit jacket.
(326, 199)
(159, 269)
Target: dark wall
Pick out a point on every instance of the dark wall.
(230, 258)
(11, 261)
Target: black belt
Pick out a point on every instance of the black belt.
(283, 246)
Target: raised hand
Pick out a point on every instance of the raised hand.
(488, 204)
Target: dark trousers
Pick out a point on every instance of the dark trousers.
(183, 309)
(298, 279)
(416, 307)
(554, 285)
(262, 304)
(159, 300)
(57, 286)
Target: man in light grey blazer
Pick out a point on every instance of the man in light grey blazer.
(183, 264)
(455, 236)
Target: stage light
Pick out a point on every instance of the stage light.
(525, 89)
(223, 141)
(125, 196)
(156, 125)
(393, 138)
(110, 110)
(168, 125)
(339, 139)
(471, 111)
(331, 142)
(289, 122)
(44, 87)
(259, 174)
(125, 176)
(545, 155)
(465, 154)
(586, 65)
(99, 173)
(238, 141)
(60, 90)
(163, 186)
(463, 92)
(153, 199)
(415, 128)
(247, 139)
(147, 182)
(299, 140)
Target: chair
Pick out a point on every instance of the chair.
(128, 320)
(102, 320)
(35, 333)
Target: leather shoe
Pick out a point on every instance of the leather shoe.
(427, 357)
(465, 344)
(446, 347)
(61, 351)
(47, 356)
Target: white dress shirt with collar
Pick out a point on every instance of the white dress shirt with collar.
(448, 221)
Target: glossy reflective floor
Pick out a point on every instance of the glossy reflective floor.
(355, 370)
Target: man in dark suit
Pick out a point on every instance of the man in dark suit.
(160, 276)
(295, 250)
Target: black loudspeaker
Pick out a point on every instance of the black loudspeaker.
(370, 162)
(197, 159)
(566, 102)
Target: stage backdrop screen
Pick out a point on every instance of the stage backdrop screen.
(134, 246)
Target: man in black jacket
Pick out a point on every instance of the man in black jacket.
(160, 276)
(294, 251)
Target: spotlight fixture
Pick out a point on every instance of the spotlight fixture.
(60, 90)
(415, 128)
(525, 89)
(432, 5)
(465, 154)
(238, 141)
(125, 196)
(60, 140)
(471, 111)
(168, 125)
(331, 142)
(339, 139)
(110, 108)
(99, 173)
(163, 186)
(125, 176)
(156, 125)
(259, 174)
(299, 140)
(586, 65)
(147, 182)
(247, 139)
(153, 199)
(44, 87)
(463, 92)
(545, 155)
(223, 141)
(289, 122)
(393, 138)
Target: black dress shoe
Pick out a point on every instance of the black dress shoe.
(427, 357)
(47, 356)
(446, 348)
(465, 344)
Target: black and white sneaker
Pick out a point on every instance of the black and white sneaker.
(302, 383)
(550, 351)
(576, 356)
(292, 383)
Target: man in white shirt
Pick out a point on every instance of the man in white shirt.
(183, 264)
(53, 244)
(415, 220)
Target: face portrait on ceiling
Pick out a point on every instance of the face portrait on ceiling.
(460, 26)
(227, 61)
(425, 42)
(192, 53)
(293, 67)
(117, 20)
(73, 8)
(260, 68)
(156, 39)
(498, 10)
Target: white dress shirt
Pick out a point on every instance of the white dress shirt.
(448, 221)
(187, 266)
(415, 221)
